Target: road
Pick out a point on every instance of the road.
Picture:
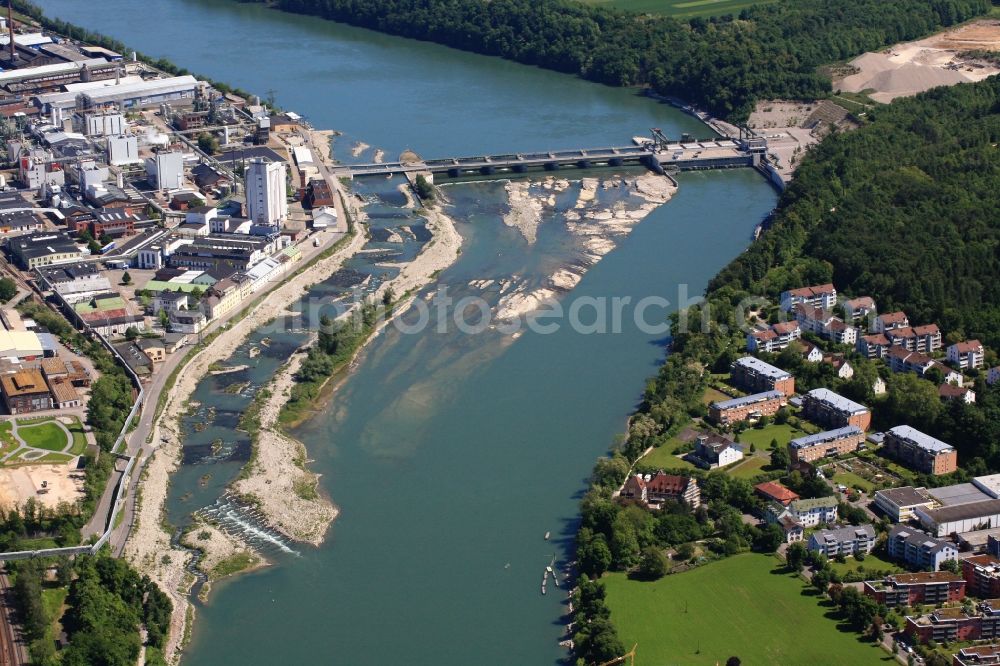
(136, 442)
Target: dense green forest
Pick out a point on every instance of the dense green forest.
(722, 64)
(905, 209)
(106, 605)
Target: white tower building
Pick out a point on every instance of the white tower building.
(267, 203)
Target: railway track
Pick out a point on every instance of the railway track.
(12, 652)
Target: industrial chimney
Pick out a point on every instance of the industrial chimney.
(10, 26)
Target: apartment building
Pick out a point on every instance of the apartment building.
(752, 374)
(819, 296)
(829, 443)
(849, 540)
(909, 589)
(919, 451)
(727, 412)
(918, 549)
(829, 409)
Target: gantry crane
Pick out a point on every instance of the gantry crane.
(630, 655)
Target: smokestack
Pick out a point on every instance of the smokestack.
(10, 27)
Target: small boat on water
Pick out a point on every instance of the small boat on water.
(547, 535)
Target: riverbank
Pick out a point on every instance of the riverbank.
(150, 547)
(276, 479)
(221, 555)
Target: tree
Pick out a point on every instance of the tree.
(821, 580)
(388, 296)
(952, 566)
(131, 333)
(654, 564)
(423, 187)
(8, 289)
(207, 143)
(685, 551)
(779, 458)
(770, 539)
(795, 556)
(913, 400)
(126, 278)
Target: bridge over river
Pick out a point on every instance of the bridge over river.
(718, 153)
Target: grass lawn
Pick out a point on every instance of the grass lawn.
(45, 435)
(749, 467)
(872, 562)
(713, 395)
(761, 438)
(7, 442)
(680, 8)
(79, 438)
(53, 599)
(663, 458)
(735, 607)
(54, 458)
(850, 479)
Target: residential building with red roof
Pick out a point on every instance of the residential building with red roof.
(889, 321)
(924, 339)
(655, 489)
(873, 346)
(859, 309)
(951, 392)
(821, 296)
(775, 492)
(968, 354)
(774, 338)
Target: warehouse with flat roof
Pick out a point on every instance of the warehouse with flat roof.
(126, 95)
(960, 518)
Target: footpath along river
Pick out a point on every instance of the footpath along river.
(449, 454)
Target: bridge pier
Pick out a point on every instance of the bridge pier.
(454, 173)
(615, 162)
(520, 168)
(583, 164)
(486, 170)
(653, 164)
(552, 166)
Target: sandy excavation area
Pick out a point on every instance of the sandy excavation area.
(913, 67)
(17, 484)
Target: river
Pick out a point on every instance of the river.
(450, 454)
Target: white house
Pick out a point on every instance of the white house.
(891, 320)
(968, 354)
(812, 353)
(806, 512)
(822, 296)
(849, 540)
(713, 451)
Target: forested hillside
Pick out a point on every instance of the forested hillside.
(906, 209)
(722, 64)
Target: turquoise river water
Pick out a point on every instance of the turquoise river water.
(450, 454)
